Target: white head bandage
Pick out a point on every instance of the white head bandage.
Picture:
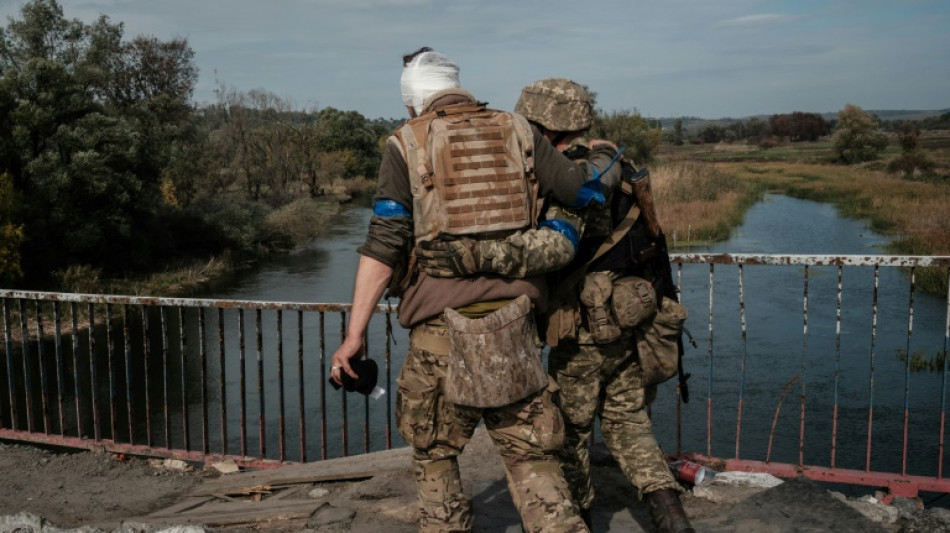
(426, 74)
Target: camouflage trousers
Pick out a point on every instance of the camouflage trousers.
(605, 380)
(527, 434)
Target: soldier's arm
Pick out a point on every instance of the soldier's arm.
(389, 235)
(553, 244)
(575, 184)
(382, 252)
(549, 247)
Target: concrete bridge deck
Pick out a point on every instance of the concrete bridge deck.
(375, 492)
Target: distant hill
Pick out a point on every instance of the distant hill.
(883, 114)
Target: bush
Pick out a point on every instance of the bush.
(233, 222)
(79, 279)
(857, 137)
(299, 222)
(911, 164)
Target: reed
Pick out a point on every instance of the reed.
(912, 212)
(697, 203)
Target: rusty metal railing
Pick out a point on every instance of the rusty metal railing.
(194, 379)
(847, 428)
(205, 380)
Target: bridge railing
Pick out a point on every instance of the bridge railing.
(851, 338)
(195, 379)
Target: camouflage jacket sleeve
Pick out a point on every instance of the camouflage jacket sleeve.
(527, 253)
(389, 237)
(563, 181)
(554, 243)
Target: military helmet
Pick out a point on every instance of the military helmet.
(558, 104)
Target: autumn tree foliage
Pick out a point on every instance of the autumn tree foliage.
(799, 126)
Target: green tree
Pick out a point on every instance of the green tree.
(757, 129)
(712, 133)
(678, 132)
(84, 141)
(630, 130)
(857, 136)
(11, 235)
(338, 131)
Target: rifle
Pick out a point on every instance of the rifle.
(636, 184)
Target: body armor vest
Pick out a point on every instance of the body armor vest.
(471, 170)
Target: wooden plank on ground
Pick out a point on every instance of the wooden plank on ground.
(231, 513)
(287, 482)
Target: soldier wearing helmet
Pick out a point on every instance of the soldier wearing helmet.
(454, 147)
(561, 108)
(597, 376)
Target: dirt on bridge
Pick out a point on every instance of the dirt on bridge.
(87, 491)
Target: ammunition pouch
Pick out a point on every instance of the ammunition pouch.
(595, 296)
(633, 301)
(561, 323)
(494, 360)
(403, 275)
(613, 304)
(658, 342)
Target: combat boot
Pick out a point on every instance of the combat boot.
(667, 512)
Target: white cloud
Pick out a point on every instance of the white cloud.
(755, 21)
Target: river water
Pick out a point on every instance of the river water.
(869, 371)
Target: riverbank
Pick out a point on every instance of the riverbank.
(701, 197)
(702, 201)
(295, 226)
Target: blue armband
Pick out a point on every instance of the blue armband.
(592, 190)
(564, 228)
(390, 209)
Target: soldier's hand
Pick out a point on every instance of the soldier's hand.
(448, 258)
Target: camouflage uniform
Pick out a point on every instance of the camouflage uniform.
(527, 433)
(595, 379)
(605, 380)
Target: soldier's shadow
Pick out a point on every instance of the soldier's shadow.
(493, 508)
(614, 495)
(616, 507)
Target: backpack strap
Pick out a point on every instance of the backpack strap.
(616, 236)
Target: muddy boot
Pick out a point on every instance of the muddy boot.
(667, 512)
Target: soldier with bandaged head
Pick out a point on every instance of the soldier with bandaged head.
(462, 182)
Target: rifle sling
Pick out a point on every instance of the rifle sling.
(616, 236)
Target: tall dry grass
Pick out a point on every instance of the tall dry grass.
(914, 213)
(698, 203)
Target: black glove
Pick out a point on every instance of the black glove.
(444, 258)
(366, 369)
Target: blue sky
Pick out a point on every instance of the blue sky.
(709, 59)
